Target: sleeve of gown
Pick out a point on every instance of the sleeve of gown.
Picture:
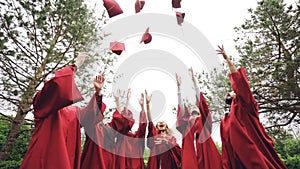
(240, 85)
(60, 91)
(93, 112)
(205, 113)
(141, 132)
(197, 92)
(182, 120)
(152, 132)
(180, 101)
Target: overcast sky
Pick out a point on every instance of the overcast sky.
(213, 18)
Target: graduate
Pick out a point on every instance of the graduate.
(165, 153)
(198, 149)
(56, 140)
(130, 145)
(245, 143)
(99, 147)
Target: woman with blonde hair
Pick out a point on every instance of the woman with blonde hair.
(165, 152)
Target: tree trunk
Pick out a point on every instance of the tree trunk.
(23, 109)
(12, 135)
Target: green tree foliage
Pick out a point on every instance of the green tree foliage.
(215, 85)
(287, 146)
(219, 147)
(15, 156)
(146, 155)
(269, 44)
(37, 37)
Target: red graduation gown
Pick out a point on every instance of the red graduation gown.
(245, 143)
(99, 150)
(162, 156)
(130, 146)
(205, 155)
(56, 140)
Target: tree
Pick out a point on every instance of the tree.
(268, 44)
(287, 146)
(215, 85)
(37, 38)
(16, 155)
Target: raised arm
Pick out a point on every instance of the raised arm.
(182, 121)
(197, 90)
(141, 132)
(93, 112)
(221, 51)
(148, 99)
(60, 91)
(98, 84)
(141, 102)
(127, 98)
(117, 95)
(238, 79)
(180, 102)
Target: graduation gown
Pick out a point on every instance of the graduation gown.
(99, 147)
(56, 139)
(198, 149)
(162, 156)
(99, 150)
(245, 143)
(130, 146)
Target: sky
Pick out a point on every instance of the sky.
(215, 19)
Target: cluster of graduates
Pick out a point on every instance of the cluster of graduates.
(56, 141)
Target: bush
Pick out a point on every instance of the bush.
(15, 157)
(289, 151)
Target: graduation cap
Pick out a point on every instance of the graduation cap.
(112, 7)
(139, 4)
(180, 17)
(176, 3)
(146, 37)
(117, 47)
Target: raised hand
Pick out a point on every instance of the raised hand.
(148, 98)
(193, 75)
(178, 80)
(117, 94)
(141, 101)
(99, 83)
(222, 52)
(128, 94)
(80, 59)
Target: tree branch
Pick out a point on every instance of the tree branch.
(283, 124)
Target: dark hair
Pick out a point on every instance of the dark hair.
(228, 100)
(195, 112)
